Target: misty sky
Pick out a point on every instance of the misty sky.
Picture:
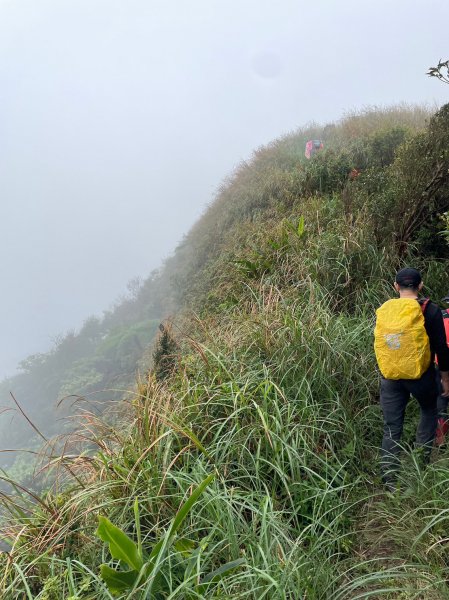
(119, 119)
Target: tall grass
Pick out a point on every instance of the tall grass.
(275, 392)
(276, 396)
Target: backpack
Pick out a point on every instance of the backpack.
(401, 343)
(446, 329)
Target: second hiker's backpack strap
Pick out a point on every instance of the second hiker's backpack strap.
(424, 303)
(446, 324)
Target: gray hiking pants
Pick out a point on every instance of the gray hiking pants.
(394, 397)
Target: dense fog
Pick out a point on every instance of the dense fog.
(118, 120)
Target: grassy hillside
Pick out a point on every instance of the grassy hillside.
(245, 463)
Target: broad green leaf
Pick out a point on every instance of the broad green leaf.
(117, 581)
(300, 230)
(120, 545)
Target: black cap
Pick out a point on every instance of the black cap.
(408, 278)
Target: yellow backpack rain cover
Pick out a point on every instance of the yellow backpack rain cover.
(401, 343)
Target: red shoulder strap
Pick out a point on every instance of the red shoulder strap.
(446, 324)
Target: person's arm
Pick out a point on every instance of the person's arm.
(438, 343)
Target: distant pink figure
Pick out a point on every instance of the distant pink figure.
(312, 147)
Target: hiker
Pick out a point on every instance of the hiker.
(442, 402)
(409, 333)
(312, 147)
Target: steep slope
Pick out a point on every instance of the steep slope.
(271, 387)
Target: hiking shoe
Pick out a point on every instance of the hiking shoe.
(442, 429)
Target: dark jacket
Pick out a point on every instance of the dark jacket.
(433, 322)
